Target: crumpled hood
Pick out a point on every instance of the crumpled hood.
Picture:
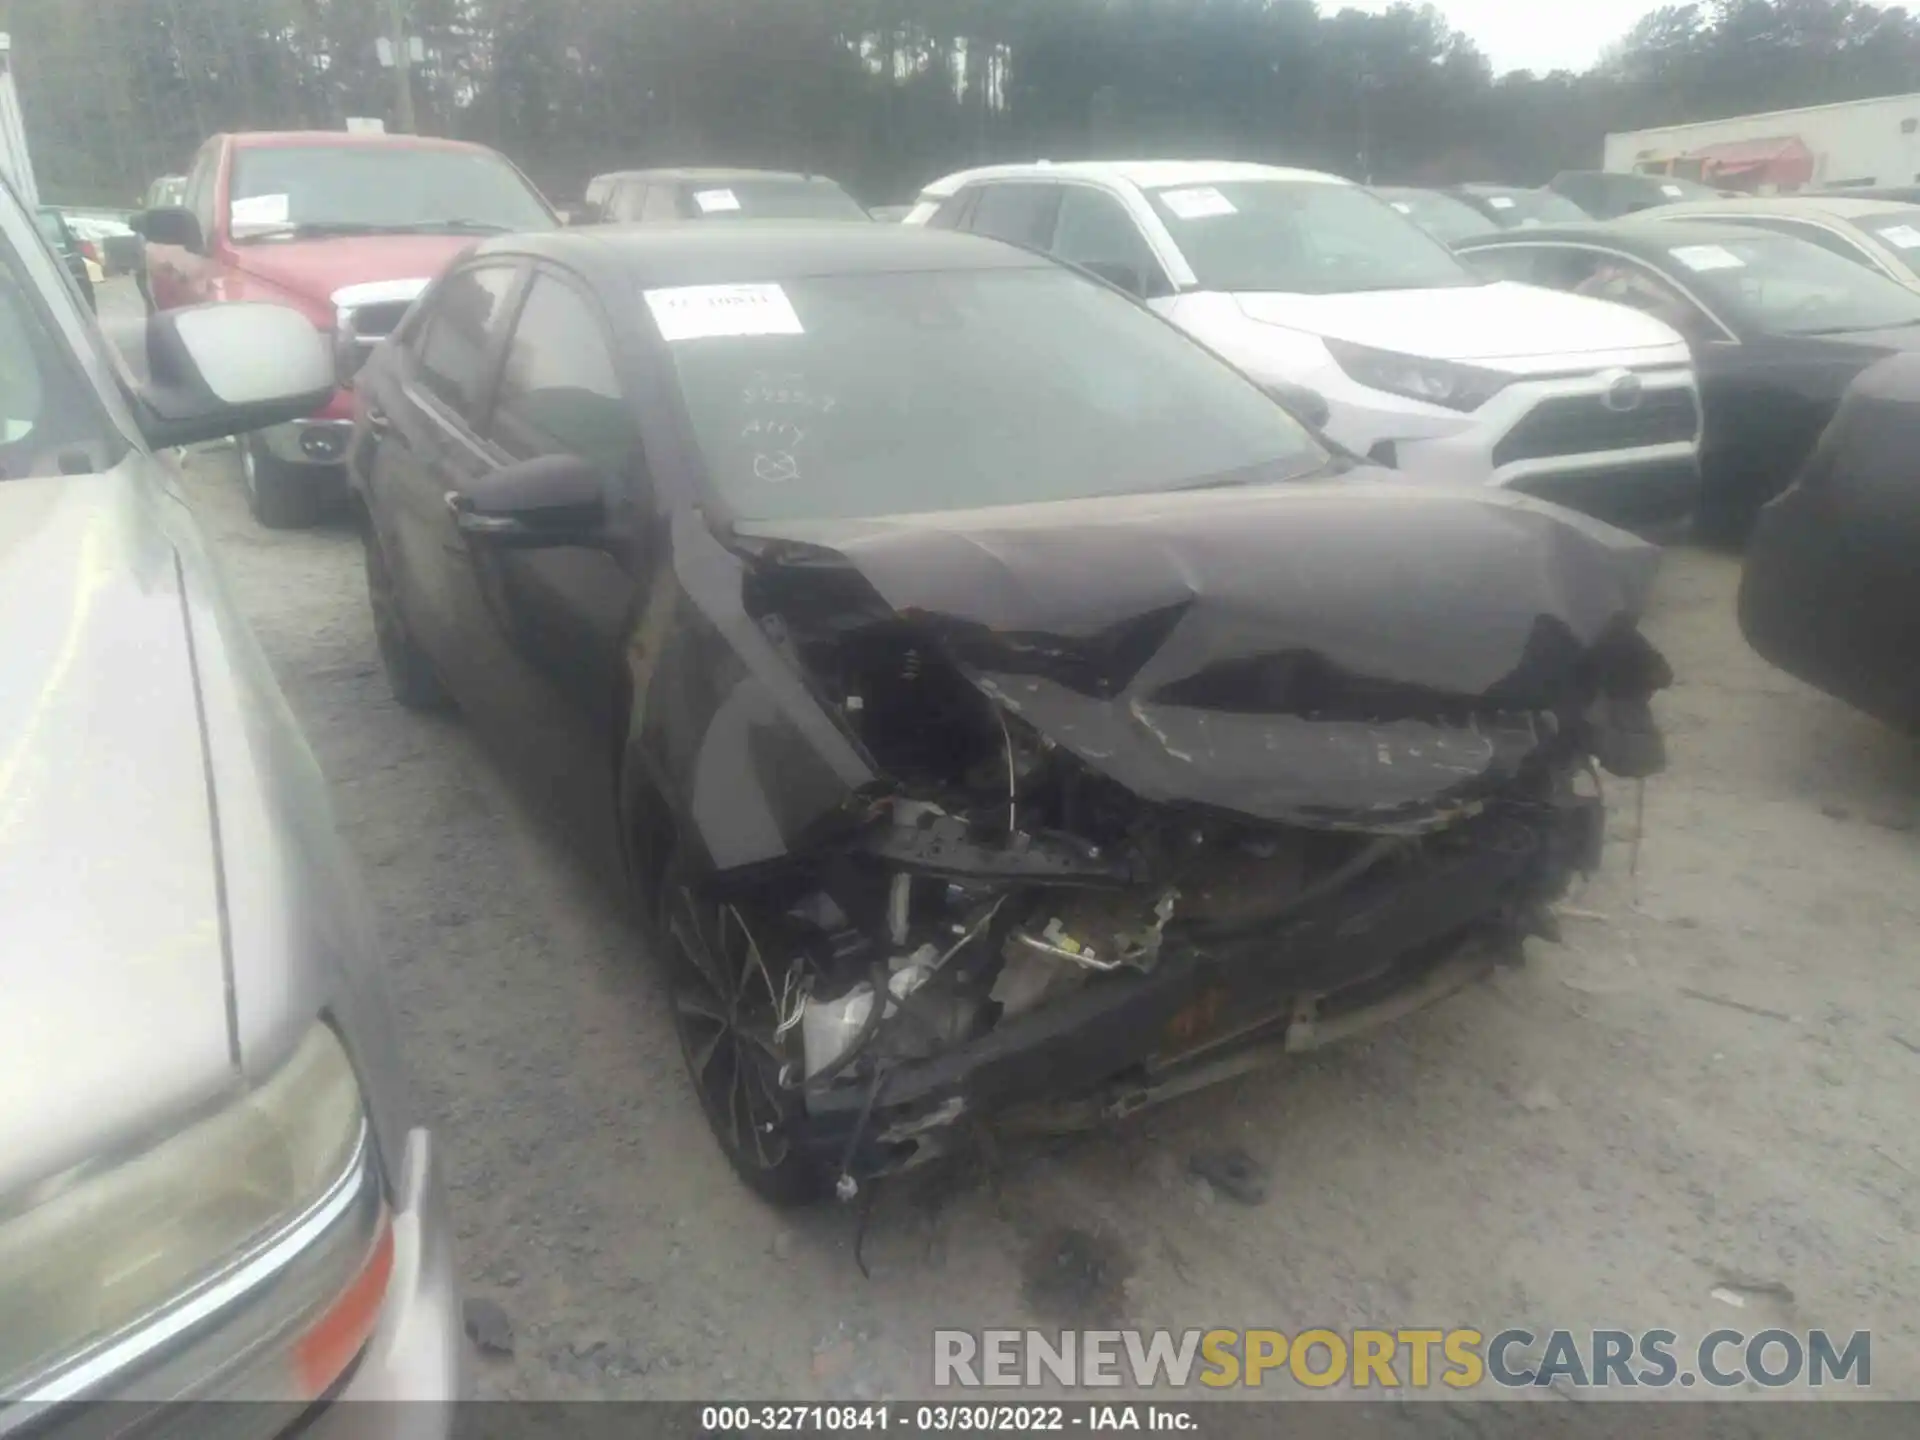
(1348, 654)
(1483, 323)
(111, 955)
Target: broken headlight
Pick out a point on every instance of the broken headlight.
(1438, 382)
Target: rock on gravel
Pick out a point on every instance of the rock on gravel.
(488, 1325)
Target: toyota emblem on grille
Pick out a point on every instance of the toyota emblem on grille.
(1623, 393)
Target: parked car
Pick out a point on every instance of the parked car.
(1780, 327)
(1307, 280)
(1883, 235)
(1100, 744)
(1514, 207)
(650, 196)
(110, 242)
(213, 1184)
(166, 190)
(1608, 194)
(1442, 216)
(348, 228)
(1831, 588)
(57, 233)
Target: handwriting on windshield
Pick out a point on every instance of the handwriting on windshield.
(775, 467)
(780, 389)
(777, 404)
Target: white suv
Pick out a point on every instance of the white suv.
(1307, 280)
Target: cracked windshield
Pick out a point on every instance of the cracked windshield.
(928, 716)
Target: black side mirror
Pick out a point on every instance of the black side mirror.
(1120, 275)
(169, 225)
(1307, 406)
(551, 501)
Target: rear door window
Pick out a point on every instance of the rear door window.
(1020, 212)
(662, 203)
(629, 200)
(1094, 230)
(955, 211)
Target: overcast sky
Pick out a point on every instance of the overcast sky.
(1537, 35)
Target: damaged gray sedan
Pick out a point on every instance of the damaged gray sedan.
(1002, 709)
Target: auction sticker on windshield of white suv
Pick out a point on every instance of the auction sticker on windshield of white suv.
(1199, 203)
(706, 312)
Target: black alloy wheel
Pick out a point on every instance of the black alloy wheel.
(727, 1003)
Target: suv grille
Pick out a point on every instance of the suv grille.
(1582, 424)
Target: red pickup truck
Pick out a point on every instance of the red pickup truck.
(347, 228)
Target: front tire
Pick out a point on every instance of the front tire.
(280, 496)
(726, 1003)
(410, 675)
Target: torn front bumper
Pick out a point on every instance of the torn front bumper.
(1406, 933)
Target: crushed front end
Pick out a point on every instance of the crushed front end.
(1127, 838)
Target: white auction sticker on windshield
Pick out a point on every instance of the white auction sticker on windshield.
(1707, 257)
(261, 210)
(1202, 202)
(714, 202)
(1500, 202)
(1674, 190)
(1905, 236)
(704, 312)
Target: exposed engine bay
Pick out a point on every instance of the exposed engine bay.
(1147, 823)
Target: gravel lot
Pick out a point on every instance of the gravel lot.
(1711, 1083)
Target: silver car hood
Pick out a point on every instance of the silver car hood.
(112, 951)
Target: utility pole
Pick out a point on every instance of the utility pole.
(402, 64)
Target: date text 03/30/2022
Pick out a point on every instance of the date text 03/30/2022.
(944, 1418)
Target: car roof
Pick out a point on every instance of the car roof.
(1146, 174)
(345, 139)
(692, 253)
(716, 175)
(1635, 235)
(1843, 207)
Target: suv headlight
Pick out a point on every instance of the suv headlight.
(110, 1255)
(1438, 382)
